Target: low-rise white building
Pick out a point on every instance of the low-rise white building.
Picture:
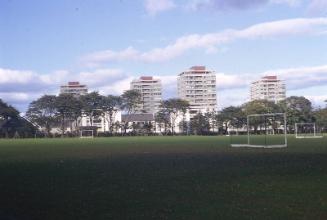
(146, 123)
(102, 122)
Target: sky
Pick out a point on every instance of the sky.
(105, 44)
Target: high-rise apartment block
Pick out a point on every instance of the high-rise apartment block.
(198, 86)
(268, 88)
(151, 91)
(74, 88)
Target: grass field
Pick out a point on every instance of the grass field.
(161, 178)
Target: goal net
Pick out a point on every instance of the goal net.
(263, 131)
(86, 134)
(307, 130)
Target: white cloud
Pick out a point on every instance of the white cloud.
(232, 97)
(15, 76)
(21, 87)
(99, 77)
(212, 50)
(295, 78)
(291, 3)
(302, 77)
(223, 5)
(318, 7)
(317, 100)
(93, 59)
(233, 89)
(153, 7)
(116, 87)
(15, 96)
(233, 81)
(282, 28)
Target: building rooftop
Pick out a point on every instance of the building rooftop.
(73, 84)
(146, 78)
(270, 77)
(198, 68)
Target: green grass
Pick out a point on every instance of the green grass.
(161, 178)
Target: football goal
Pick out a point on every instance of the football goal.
(307, 130)
(86, 134)
(263, 131)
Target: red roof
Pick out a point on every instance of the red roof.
(270, 77)
(73, 83)
(198, 68)
(146, 78)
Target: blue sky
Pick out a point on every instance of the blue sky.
(105, 44)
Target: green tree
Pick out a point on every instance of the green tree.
(12, 124)
(43, 112)
(92, 105)
(212, 119)
(75, 113)
(200, 124)
(231, 117)
(148, 127)
(298, 110)
(173, 107)
(68, 110)
(162, 119)
(110, 105)
(117, 126)
(131, 99)
(321, 118)
(19, 127)
(261, 107)
(7, 113)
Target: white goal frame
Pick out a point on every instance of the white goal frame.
(81, 134)
(309, 136)
(260, 145)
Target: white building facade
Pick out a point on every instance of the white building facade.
(102, 123)
(268, 88)
(151, 91)
(74, 88)
(198, 86)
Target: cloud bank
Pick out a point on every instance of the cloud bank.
(318, 7)
(154, 7)
(19, 87)
(223, 5)
(210, 41)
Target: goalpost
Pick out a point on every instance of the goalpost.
(86, 134)
(307, 130)
(265, 131)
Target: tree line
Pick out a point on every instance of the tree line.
(298, 109)
(12, 124)
(66, 110)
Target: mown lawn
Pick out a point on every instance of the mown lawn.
(161, 178)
